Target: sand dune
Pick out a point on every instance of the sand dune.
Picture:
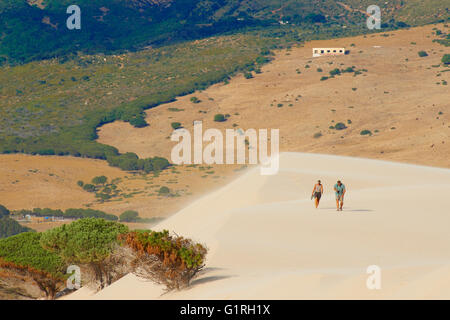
(267, 241)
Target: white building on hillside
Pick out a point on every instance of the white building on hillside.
(318, 52)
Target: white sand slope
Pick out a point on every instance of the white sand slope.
(267, 241)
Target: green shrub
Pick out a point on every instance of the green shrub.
(10, 227)
(335, 72)
(219, 117)
(164, 191)
(324, 78)
(175, 125)
(195, 100)
(99, 180)
(317, 135)
(89, 187)
(179, 259)
(248, 75)
(89, 242)
(24, 256)
(422, 54)
(129, 216)
(366, 132)
(340, 126)
(88, 213)
(103, 196)
(3, 211)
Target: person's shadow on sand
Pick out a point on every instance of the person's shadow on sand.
(348, 210)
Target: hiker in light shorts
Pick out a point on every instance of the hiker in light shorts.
(339, 189)
(317, 192)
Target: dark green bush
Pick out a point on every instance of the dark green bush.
(69, 213)
(219, 118)
(24, 256)
(340, 126)
(89, 242)
(10, 227)
(3, 211)
(335, 72)
(89, 187)
(99, 180)
(175, 125)
(422, 54)
(164, 191)
(195, 100)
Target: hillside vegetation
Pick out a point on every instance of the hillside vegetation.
(37, 29)
(54, 106)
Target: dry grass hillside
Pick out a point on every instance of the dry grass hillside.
(403, 99)
(400, 97)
